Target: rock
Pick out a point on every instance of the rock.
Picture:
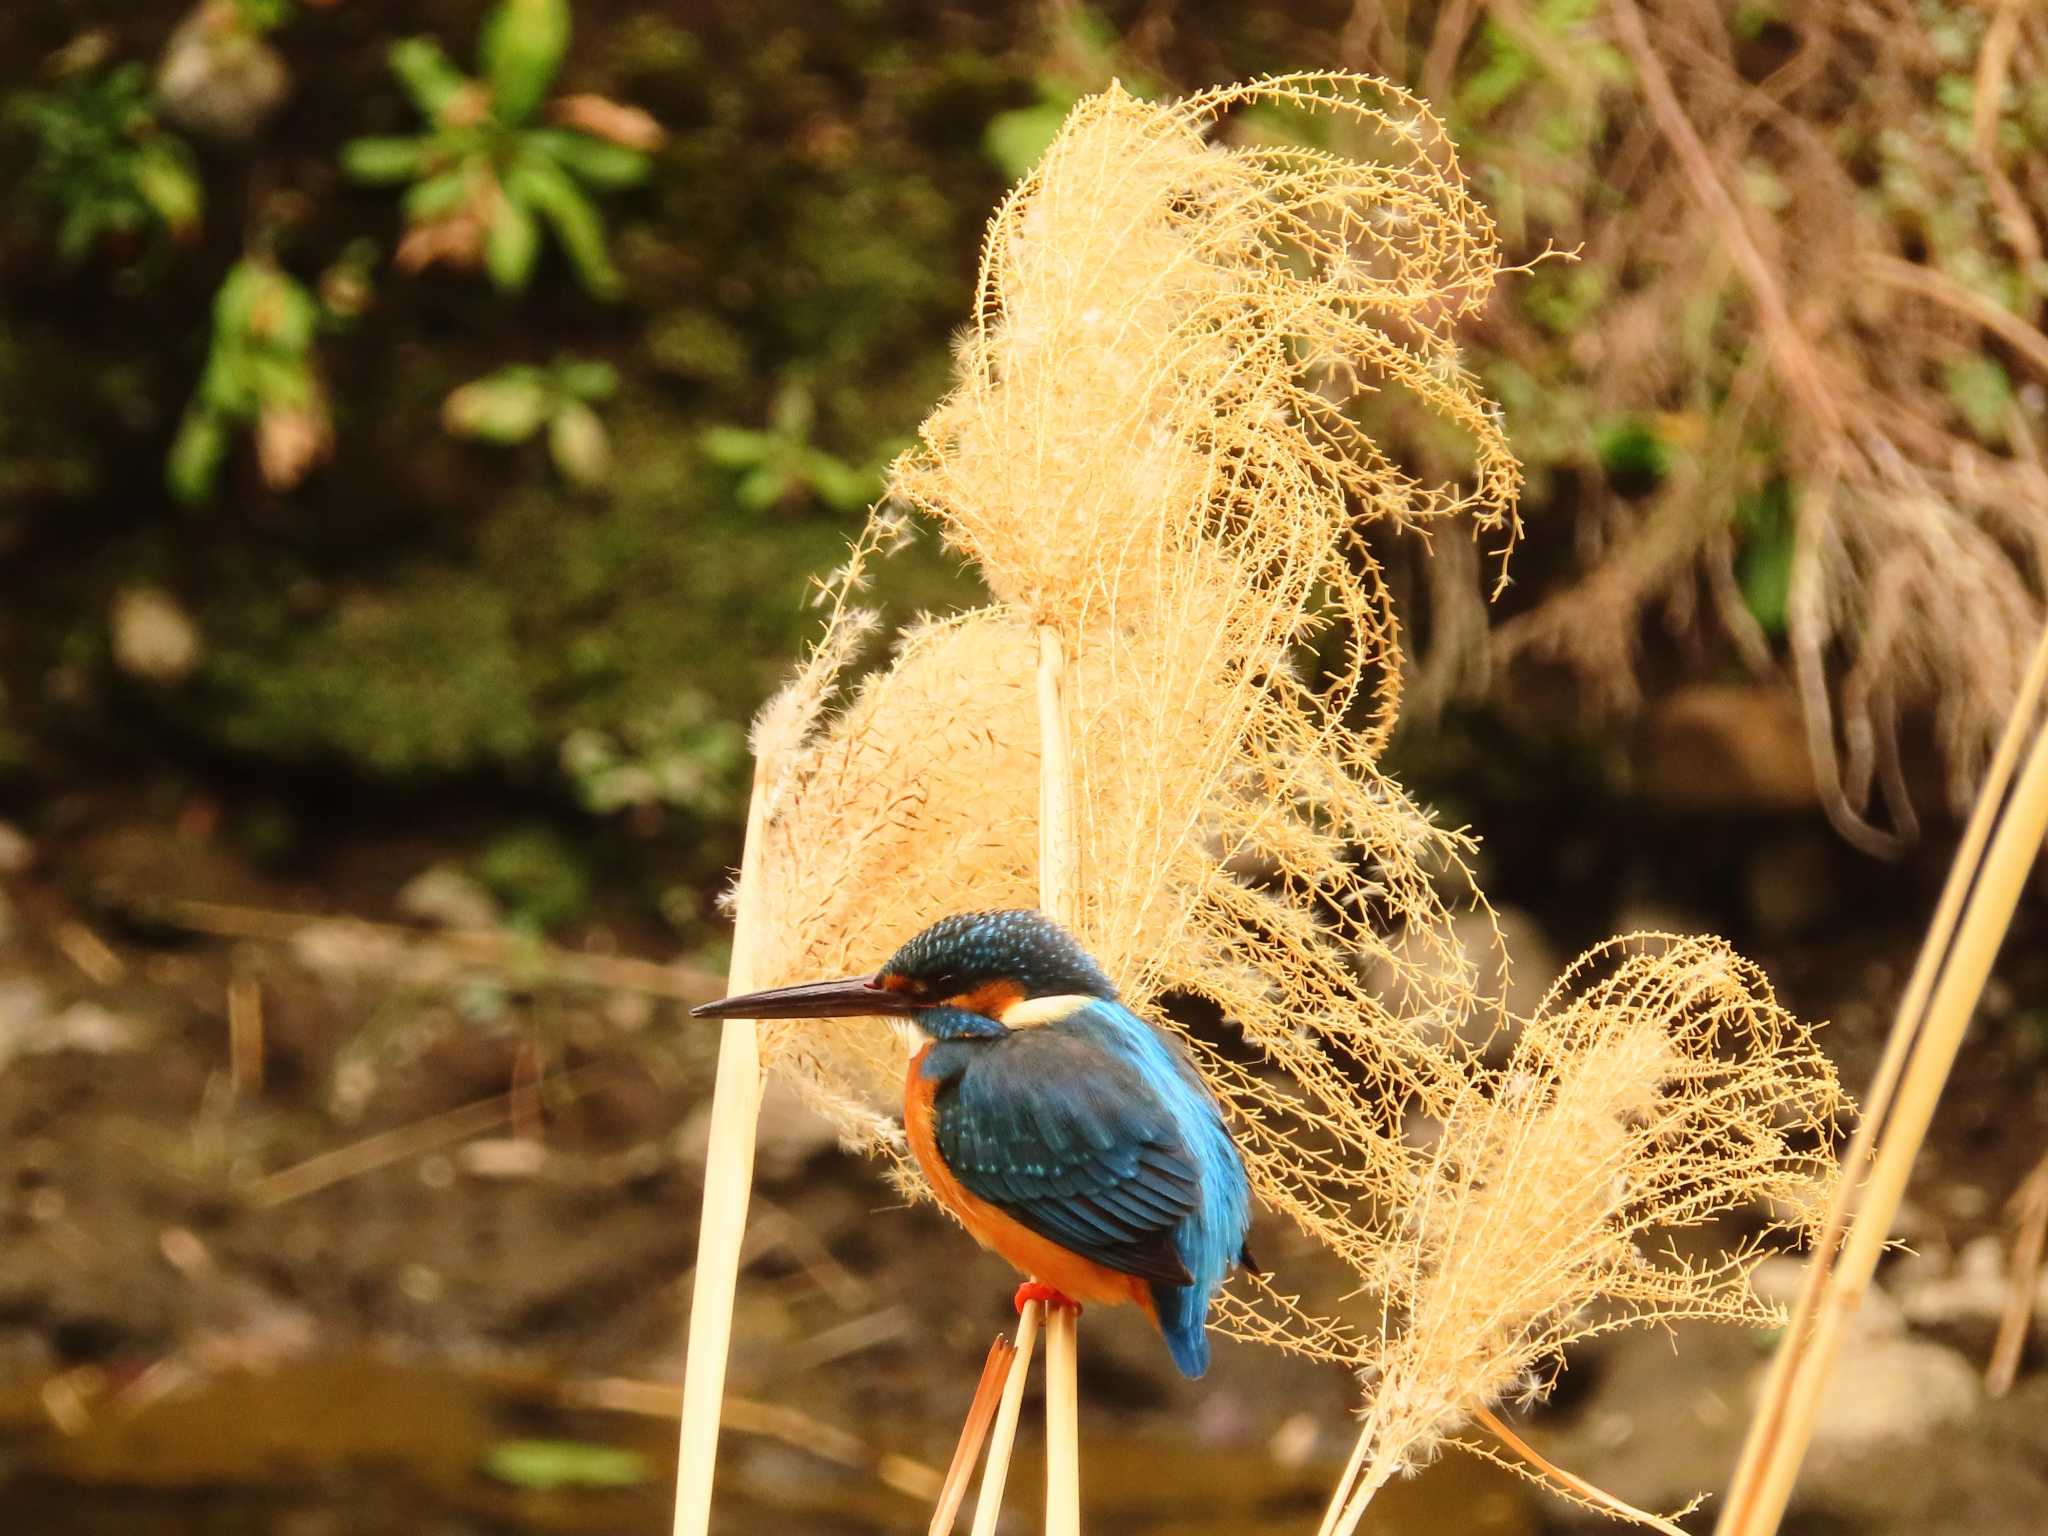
(503, 1158)
(1892, 1390)
(1780, 1277)
(1788, 886)
(447, 898)
(1964, 1300)
(29, 1028)
(219, 79)
(16, 851)
(154, 638)
(1719, 746)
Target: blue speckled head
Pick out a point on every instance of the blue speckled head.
(963, 954)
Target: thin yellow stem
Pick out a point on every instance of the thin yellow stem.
(988, 1507)
(1571, 1482)
(728, 1182)
(1341, 1494)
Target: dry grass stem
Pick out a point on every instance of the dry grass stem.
(245, 1036)
(503, 951)
(405, 1141)
(728, 1182)
(2030, 1214)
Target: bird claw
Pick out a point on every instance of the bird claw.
(1047, 1296)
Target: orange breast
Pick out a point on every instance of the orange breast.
(1039, 1258)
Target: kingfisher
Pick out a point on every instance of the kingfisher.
(1064, 1132)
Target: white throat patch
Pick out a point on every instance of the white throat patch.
(1035, 1011)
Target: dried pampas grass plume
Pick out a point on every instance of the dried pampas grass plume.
(1658, 1086)
(1148, 454)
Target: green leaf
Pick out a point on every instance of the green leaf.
(1763, 568)
(235, 302)
(197, 452)
(762, 487)
(578, 445)
(520, 51)
(593, 160)
(736, 447)
(505, 407)
(1014, 140)
(438, 196)
(554, 1464)
(838, 484)
(582, 379)
(382, 161)
(547, 189)
(164, 179)
(278, 381)
(1635, 457)
(429, 76)
(1979, 388)
(510, 245)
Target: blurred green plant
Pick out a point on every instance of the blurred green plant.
(1767, 526)
(105, 165)
(686, 755)
(539, 875)
(485, 176)
(548, 1465)
(261, 370)
(1634, 455)
(779, 464)
(519, 401)
(1081, 56)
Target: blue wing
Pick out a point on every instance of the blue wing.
(1072, 1142)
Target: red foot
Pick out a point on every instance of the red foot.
(1033, 1290)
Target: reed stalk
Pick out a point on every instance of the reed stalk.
(1970, 923)
(988, 1505)
(995, 1372)
(1057, 890)
(728, 1182)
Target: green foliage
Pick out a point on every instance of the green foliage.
(1982, 393)
(1507, 66)
(519, 401)
(552, 1465)
(1082, 58)
(1635, 458)
(684, 754)
(779, 465)
(485, 178)
(539, 875)
(1766, 525)
(259, 370)
(105, 166)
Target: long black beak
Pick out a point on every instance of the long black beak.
(849, 998)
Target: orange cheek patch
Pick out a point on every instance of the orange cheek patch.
(990, 999)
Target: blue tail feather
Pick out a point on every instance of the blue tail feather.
(1183, 1323)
